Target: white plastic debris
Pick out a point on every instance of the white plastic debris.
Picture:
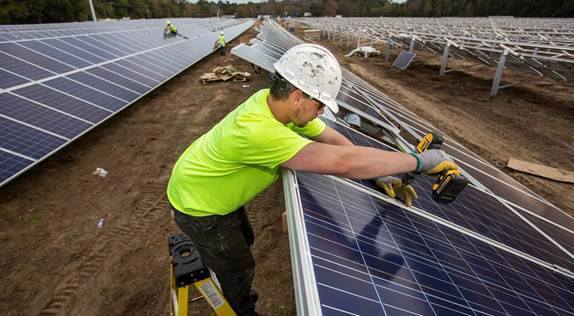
(100, 172)
(365, 50)
(246, 86)
(100, 223)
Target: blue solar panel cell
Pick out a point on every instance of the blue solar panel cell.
(119, 80)
(155, 64)
(23, 68)
(559, 234)
(8, 80)
(101, 42)
(373, 258)
(119, 42)
(73, 50)
(87, 47)
(35, 58)
(11, 164)
(63, 102)
(141, 70)
(26, 140)
(56, 53)
(86, 93)
(104, 85)
(40, 116)
(165, 55)
(150, 82)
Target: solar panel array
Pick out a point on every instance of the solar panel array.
(58, 81)
(357, 252)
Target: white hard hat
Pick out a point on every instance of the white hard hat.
(314, 70)
(168, 22)
(221, 33)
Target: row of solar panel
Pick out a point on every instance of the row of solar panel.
(36, 60)
(27, 32)
(370, 257)
(56, 90)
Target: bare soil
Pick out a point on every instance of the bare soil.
(55, 260)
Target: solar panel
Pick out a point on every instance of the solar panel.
(357, 252)
(404, 60)
(61, 80)
(42, 117)
(474, 210)
(11, 164)
(374, 258)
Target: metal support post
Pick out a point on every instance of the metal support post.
(358, 41)
(348, 39)
(93, 11)
(412, 46)
(444, 60)
(388, 49)
(499, 70)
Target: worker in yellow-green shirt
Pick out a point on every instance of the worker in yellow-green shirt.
(220, 44)
(170, 30)
(242, 155)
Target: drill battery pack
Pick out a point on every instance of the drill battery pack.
(448, 186)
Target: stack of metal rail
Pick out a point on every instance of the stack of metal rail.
(543, 47)
(498, 249)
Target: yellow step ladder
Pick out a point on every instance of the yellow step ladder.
(187, 268)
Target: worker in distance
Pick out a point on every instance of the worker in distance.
(220, 44)
(242, 155)
(169, 30)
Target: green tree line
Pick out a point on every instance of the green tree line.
(45, 11)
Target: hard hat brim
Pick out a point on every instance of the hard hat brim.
(332, 105)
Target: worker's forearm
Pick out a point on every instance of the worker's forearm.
(332, 137)
(369, 163)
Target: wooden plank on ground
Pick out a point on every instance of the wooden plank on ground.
(541, 170)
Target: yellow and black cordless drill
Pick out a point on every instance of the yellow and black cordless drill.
(450, 183)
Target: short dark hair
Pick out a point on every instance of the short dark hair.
(280, 88)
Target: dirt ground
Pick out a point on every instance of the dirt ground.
(55, 261)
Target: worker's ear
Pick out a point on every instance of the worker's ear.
(296, 97)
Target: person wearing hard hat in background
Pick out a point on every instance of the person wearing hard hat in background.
(242, 155)
(220, 44)
(170, 30)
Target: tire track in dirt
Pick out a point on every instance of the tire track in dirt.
(145, 214)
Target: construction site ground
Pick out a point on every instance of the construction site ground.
(56, 261)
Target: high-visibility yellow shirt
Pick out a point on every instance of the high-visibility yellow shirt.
(237, 159)
(221, 41)
(172, 28)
